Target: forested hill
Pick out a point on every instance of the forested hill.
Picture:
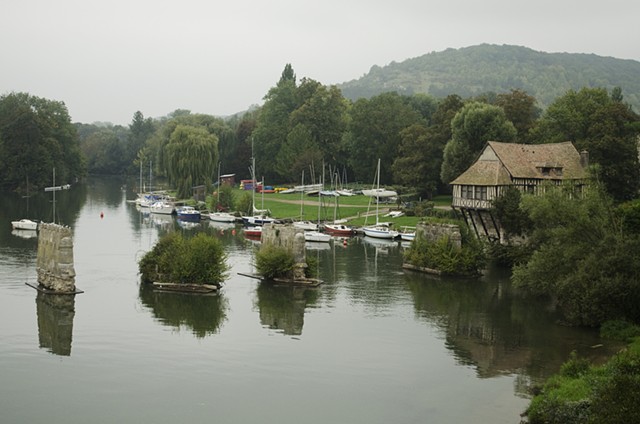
(486, 68)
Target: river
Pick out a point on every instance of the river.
(373, 344)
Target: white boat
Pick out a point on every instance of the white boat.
(24, 224)
(306, 225)
(162, 208)
(380, 229)
(408, 233)
(317, 236)
(379, 192)
(345, 192)
(188, 213)
(257, 220)
(308, 188)
(394, 214)
(222, 217)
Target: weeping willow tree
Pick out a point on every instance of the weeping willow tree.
(189, 158)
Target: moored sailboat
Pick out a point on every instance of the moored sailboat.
(380, 229)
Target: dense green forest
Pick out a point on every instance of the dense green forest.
(486, 68)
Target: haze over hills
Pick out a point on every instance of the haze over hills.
(485, 68)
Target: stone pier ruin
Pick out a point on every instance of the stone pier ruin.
(290, 238)
(54, 265)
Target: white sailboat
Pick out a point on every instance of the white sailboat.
(221, 216)
(259, 216)
(315, 235)
(304, 224)
(380, 230)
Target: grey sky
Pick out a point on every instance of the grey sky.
(108, 59)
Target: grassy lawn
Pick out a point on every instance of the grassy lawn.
(352, 208)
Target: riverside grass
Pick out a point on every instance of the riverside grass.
(352, 208)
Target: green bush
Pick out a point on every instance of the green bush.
(581, 393)
(274, 262)
(619, 330)
(447, 258)
(174, 259)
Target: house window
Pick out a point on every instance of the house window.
(481, 193)
(466, 192)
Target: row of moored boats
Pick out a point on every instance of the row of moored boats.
(159, 203)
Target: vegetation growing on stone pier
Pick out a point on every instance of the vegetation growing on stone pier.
(175, 259)
(278, 262)
(447, 257)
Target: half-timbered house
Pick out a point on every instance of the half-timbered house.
(528, 167)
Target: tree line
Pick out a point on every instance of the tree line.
(424, 142)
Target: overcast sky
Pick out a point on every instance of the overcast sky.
(107, 59)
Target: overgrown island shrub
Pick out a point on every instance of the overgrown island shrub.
(445, 257)
(278, 262)
(175, 259)
(585, 393)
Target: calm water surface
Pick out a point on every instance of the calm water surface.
(373, 344)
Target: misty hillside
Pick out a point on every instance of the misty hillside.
(471, 71)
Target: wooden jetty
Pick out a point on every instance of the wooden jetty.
(307, 282)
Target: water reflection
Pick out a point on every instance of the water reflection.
(282, 308)
(55, 322)
(203, 314)
(488, 325)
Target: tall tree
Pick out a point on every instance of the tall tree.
(375, 133)
(36, 135)
(190, 158)
(603, 126)
(140, 130)
(471, 128)
(520, 108)
(323, 114)
(273, 123)
(582, 257)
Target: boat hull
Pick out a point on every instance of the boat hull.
(338, 230)
(222, 217)
(24, 224)
(380, 232)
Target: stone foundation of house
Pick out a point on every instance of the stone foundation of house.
(434, 232)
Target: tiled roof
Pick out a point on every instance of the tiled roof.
(523, 161)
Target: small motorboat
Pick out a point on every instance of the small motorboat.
(317, 236)
(162, 208)
(339, 230)
(222, 217)
(253, 232)
(25, 224)
(188, 213)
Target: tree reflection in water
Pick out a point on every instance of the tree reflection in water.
(282, 308)
(203, 314)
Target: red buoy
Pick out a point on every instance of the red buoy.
(101, 215)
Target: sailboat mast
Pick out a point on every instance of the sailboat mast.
(302, 198)
(54, 196)
(378, 192)
(218, 190)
